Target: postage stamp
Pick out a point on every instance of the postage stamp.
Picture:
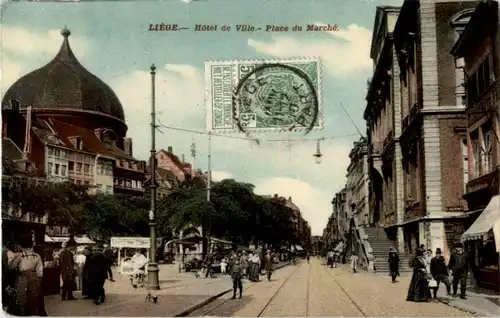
(264, 95)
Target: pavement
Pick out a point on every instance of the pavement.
(313, 290)
(483, 304)
(179, 294)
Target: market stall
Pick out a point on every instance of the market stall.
(128, 245)
(483, 238)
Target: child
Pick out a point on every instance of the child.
(223, 266)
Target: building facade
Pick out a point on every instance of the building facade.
(433, 123)
(71, 126)
(477, 52)
(382, 114)
(357, 186)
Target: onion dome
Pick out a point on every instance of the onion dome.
(64, 84)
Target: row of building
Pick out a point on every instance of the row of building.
(431, 159)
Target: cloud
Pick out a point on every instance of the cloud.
(26, 42)
(221, 175)
(22, 48)
(313, 202)
(179, 101)
(343, 52)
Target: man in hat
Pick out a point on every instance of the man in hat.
(458, 266)
(67, 264)
(439, 272)
(97, 274)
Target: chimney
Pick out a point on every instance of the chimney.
(183, 159)
(290, 199)
(127, 146)
(275, 195)
(169, 149)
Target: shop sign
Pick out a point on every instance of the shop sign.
(130, 242)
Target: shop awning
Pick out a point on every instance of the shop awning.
(298, 248)
(61, 239)
(485, 222)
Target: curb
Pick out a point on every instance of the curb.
(468, 309)
(186, 312)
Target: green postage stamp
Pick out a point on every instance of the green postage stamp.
(264, 95)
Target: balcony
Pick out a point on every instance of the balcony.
(410, 118)
(488, 101)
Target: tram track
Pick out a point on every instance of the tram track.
(345, 292)
(211, 310)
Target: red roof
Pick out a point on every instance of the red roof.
(91, 143)
(176, 161)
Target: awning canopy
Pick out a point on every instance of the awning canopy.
(485, 222)
(61, 239)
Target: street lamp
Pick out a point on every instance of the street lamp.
(318, 153)
(153, 281)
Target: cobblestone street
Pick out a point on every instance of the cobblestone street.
(316, 291)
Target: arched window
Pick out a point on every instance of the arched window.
(460, 20)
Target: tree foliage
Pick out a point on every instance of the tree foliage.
(233, 212)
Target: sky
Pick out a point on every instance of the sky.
(111, 39)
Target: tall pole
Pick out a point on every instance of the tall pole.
(153, 281)
(209, 185)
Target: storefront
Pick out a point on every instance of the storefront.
(482, 240)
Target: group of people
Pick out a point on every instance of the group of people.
(22, 273)
(335, 256)
(87, 271)
(429, 272)
(249, 266)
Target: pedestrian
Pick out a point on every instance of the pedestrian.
(419, 287)
(329, 258)
(27, 268)
(87, 291)
(308, 257)
(354, 263)
(97, 276)
(268, 264)
(254, 268)
(439, 272)
(67, 266)
(109, 255)
(236, 275)
(80, 263)
(458, 266)
(244, 263)
(223, 266)
(208, 264)
(393, 264)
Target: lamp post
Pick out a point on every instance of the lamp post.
(318, 153)
(153, 281)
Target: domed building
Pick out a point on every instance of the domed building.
(70, 125)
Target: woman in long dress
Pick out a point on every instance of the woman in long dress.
(255, 267)
(419, 286)
(28, 267)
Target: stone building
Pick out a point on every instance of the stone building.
(71, 126)
(477, 53)
(433, 123)
(358, 182)
(382, 114)
(339, 223)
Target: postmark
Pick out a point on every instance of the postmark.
(264, 96)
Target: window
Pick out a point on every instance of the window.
(49, 170)
(479, 81)
(63, 170)
(116, 181)
(86, 168)
(71, 166)
(128, 184)
(121, 182)
(79, 182)
(71, 180)
(109, 189)
(57, 153)
(139, 184)
(465, 163)
(56, 170)
(98, 185)
(488, 150)
(476, 152)
(78, 167)
(51, 152)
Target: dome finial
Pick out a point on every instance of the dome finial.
(65, 32)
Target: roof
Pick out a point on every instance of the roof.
(91, 143)
(165, 174)
(64, 84)
(10, 150)
(176, 161)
